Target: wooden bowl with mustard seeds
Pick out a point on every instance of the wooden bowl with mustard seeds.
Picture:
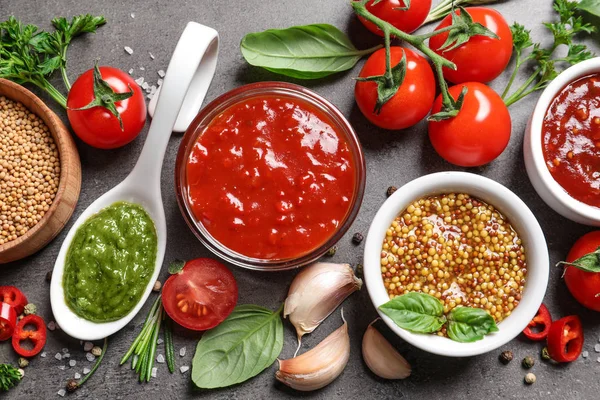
(40, 173)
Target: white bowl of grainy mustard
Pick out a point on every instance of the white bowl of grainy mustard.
(466, 240)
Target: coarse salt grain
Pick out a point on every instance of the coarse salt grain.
(184, 369)
(182, 352)
(77, 375)
(62, 367)
(66, 355)
(160, 359)
(90, 357)
(61, 392)
(142, 69)
(72, 363)
(86, 371)
(585, 354)
(52, 325)
(145, 85)
(598, 359)
(161, 73)
(159, 82)
(43, 355)
(151, 55)
(128, 49)
(88, 346)
(140, 80)
(597, 348)
(132, 15)
(65, 350)
(160, 341)
(58, 356)
(130, 71)
(153, 373)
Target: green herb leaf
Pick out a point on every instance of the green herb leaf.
(241, 347)
(465, 29)
(303, 52)
(589, 263)
(176, 266)
(590, 6)
(9, 377)
(387, 87)
(466, 324)
(415, 312)
(521, 37)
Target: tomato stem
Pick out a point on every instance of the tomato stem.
(445, 7)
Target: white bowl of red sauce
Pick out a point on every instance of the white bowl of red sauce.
(456, 220)
(270, 176)
(562, 144)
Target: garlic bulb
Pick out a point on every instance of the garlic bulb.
(381, 357)
(316, 292)
(320, 366)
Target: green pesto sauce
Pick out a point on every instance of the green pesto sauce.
(110, 262)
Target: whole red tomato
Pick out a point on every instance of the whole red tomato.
(97, 126)
(478, 134)
(584, 286)
(389, 11)
(412, 101)
(482, 58)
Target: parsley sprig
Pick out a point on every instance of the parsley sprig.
(28, 55)
(546, 61)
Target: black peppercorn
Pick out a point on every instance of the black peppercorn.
(48, 276)
(390, 191)
(72, 385)
(357, 238)
(506, 357)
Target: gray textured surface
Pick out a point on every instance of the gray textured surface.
(392, 158)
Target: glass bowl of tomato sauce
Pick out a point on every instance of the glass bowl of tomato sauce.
(269, 176)
(562, 144)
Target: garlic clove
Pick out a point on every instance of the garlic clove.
(319, 366)
(316, 292)
(381, 357)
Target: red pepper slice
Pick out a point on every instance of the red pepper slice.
(8, 320)
(14, 297)
(37, 336)
(542, 322)
(565, 339)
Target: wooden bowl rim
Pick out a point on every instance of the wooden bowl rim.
(58, 130)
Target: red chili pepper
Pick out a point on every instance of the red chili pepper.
(14, 297)
(8, 320)
(565, 339)
(542, 322)
(37, 336)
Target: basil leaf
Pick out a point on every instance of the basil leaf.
(303, 52)
(590, 6)
(466, 324)
(588, 263)
(415, 312)
(241, 347)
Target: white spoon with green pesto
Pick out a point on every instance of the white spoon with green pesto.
(111, 257)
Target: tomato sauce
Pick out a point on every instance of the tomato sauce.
(271, 178)
(571, 139)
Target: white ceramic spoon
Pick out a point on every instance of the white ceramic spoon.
(190, 66)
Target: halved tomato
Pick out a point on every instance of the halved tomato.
(13, 296)
(201, 294)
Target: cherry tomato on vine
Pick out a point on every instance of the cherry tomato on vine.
(565, 339)
(482, 58)
(201, 295)
(37, 335)
(14, 297)
(478, 134)
(412, 101)
(391, 11)
(583, 285)
(8, 321)
(97, 126)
